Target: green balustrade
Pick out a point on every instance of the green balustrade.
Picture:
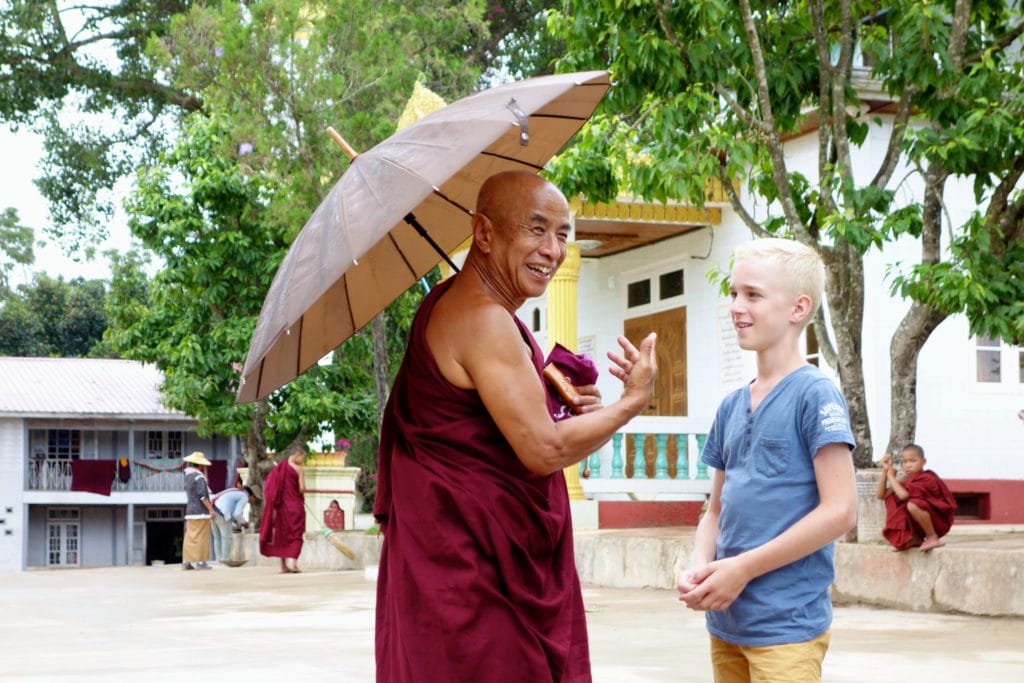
(595, 464)
(617, 472)
(639, 461)
(661, 462)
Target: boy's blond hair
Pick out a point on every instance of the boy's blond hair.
(800, 265)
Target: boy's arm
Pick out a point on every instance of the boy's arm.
(705, 540)
(721, 582)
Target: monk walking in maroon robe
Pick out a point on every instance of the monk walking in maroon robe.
(477, 580)
(284, 515)
(919, 508)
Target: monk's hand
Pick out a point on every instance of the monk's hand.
(589, 398)
(636, 367)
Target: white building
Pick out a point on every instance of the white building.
(645, 267)
(90, 464)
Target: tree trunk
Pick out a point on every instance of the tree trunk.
(844, 275)
(381, 368)
(918, 324)
(907, 341)
(254, 450)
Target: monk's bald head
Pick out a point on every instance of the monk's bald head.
(503, 196)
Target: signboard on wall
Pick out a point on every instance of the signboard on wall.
(731, 372)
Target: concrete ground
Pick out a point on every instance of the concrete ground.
(252, 624)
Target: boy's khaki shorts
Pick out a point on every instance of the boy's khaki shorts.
(789, 663)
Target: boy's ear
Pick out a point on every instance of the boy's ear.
(801, 309)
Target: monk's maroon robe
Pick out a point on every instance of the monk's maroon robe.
(284, 516)
(477, 580)
(930, 493)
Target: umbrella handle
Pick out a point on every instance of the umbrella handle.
(341, 142)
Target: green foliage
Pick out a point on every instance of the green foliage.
(220, 209)
(518, 45)
(983, 277)
(127, 72)
(54, 317)
(15, 245)
(90, 59)
(205, 217)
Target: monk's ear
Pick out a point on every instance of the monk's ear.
(483, 232)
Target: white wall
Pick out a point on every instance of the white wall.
(13, 528)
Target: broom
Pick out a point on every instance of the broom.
(330, 535)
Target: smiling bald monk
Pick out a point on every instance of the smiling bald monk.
(477, 579)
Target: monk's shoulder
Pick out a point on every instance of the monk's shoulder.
(467, 332)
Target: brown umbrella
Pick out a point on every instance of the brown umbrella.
(358, 252)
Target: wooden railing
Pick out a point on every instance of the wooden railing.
(650, 458)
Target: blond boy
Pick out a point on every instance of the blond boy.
(783, 486)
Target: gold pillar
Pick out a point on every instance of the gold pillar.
(562, 316)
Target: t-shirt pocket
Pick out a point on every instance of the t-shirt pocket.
(770, 456)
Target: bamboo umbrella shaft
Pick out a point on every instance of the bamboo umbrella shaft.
(341, 142)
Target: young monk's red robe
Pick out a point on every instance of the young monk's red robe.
(284, 516)
(930, 493)
(477, 580)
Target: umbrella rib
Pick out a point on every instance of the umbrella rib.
(259, 377)
(505, 157)
(298, 344)
(408, 265)
(454, 203)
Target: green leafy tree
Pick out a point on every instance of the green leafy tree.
(710, 91)
(105, 84)
(220, 210)
(205, 216)
(15, 246)
(54, 317)
(89, 59)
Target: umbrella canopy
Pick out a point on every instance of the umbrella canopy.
(356, 254)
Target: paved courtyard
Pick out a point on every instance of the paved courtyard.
(252, 624)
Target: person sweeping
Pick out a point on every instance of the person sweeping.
(284, 514)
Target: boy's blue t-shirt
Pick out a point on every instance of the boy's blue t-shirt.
(767, 456)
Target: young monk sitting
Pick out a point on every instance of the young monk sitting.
(919, 508)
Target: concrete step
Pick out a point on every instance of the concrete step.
(978, 571)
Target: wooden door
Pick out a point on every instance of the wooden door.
(669, 397)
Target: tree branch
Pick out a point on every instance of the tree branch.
(772, 141)
(825, 74)
(737, 205)
(841, 76)
(826, 347)
(897, 135)
(999, 46)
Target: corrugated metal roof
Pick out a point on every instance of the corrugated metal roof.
(80, 387)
